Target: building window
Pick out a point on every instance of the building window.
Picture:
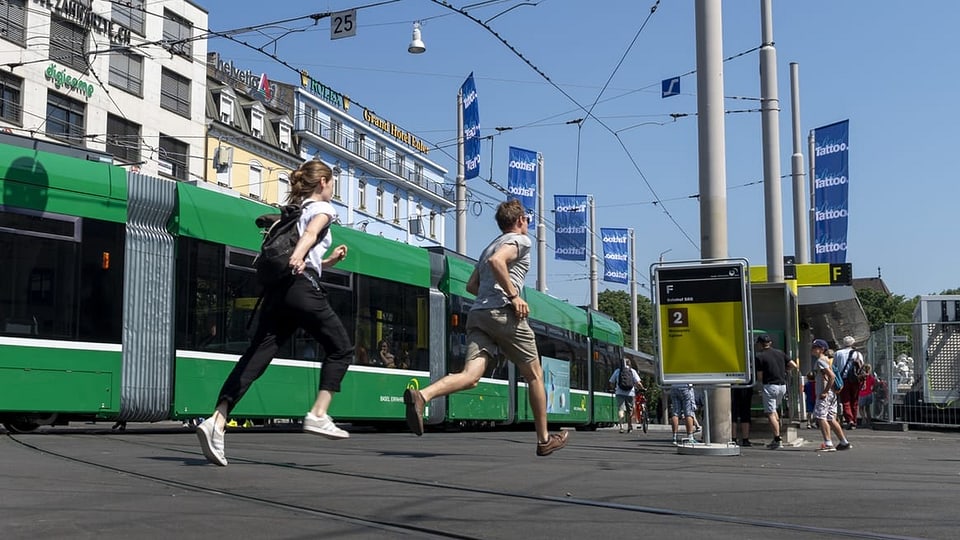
(418, 173)
(65, 118)
(362, 200)
(68, 44)
(400, 164)
(283, 188)
(311, 119)
(379, 202)
(336, 186)
(396, 209)
(176, 34)
(175, 93)
(285, 136)
(256, 123)
(174, 156)
(126, 72)
(123, 139)
(361, 142)
(381, 155)
(433, 224)
(13, 22)
(129, 13)
(336, 132)
(226, 109)
(256, 178)
(11, 104)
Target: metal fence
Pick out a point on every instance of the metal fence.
(918, 371)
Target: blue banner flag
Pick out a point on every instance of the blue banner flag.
(522, 178)
(616, 255)
(571, 230)
(831, 192)
(471, 129)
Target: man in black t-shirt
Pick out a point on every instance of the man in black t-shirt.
(772, 365)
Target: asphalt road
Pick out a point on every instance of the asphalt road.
(151, 481)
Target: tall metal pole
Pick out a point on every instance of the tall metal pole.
(461, 187)
(770, 125)
(712, 163)
(811, 160)
(594, 283)
(634, 322)
(541, 230)
(800, 248)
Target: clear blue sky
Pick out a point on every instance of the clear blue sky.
(889, 67)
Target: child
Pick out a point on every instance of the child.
(810, 394)
(825, 409)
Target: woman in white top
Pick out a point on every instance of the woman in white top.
(300, 302)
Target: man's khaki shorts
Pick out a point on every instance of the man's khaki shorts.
(498, 329)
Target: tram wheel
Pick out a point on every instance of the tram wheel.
(20, 427)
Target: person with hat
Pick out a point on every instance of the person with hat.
(849, 362)
(825, 410)
(772, 365)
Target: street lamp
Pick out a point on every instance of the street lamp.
(662, 253)
(416, 44)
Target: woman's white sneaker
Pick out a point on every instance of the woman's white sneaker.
(324, 426)
(211, 442)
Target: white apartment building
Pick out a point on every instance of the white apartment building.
(127, 78)
(387, 185)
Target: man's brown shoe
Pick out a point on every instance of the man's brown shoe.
(414, 402)
(554, 443)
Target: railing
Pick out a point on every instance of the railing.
(372, 154)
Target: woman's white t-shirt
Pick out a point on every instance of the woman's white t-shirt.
(314, 258)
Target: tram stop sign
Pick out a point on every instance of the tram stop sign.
(702, 312)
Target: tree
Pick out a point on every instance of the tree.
(881, 308)
(616, 304)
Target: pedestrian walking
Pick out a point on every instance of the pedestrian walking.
(625, 381)
(825, 410)
(772, 365)
(297, 302)
(850, 366)
(683, 403)
(497, 322)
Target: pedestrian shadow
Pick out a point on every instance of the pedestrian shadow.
(418, 455)
(187, 461)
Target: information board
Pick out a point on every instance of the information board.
(703, 322)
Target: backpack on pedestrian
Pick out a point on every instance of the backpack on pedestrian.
(837, 378)
(625, 380)
(279, 240)
(854, 368)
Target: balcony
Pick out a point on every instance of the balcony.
(373, 155)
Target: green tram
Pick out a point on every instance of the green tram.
(127, 297)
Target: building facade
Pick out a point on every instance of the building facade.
(250, 143)
(122, 78)
(387, 185)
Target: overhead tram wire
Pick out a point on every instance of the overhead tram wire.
(537, 70)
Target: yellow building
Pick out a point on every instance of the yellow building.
(249, 142)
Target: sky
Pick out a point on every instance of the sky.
(888, 67)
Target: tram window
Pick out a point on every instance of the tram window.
(564, 345)
(394, 313)
(101, 281)
(56, 286)
(32, 223)
(609, 358)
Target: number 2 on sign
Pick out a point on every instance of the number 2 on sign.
(678, 317)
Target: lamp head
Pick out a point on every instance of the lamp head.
(416, 44)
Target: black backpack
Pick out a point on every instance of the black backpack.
(625, 380)
(279, 240)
